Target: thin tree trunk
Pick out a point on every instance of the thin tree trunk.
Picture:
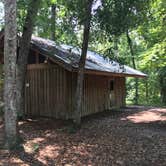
(163, 95)
(10, 55)
(53, 17)
(136, 91)
(147, 91)
(162, 81)
(116, 51)
(23, 54)
(134, 65)
(80, 75)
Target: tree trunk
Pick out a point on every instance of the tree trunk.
(53, 17)
(10, 56)
(80, 75)
(23, 54)
(162, 81)
(147, 91)
(163, 96)
(134, 65)
(116, 51)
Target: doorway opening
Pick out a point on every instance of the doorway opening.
(112, 93)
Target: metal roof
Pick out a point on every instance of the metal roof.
(70, 56)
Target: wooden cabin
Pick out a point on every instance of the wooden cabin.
(51, 80)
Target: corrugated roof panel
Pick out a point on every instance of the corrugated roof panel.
(71, 55)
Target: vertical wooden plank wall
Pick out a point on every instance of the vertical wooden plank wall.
(46, 91)
(120, 91)
(50, 92)
(95, 94)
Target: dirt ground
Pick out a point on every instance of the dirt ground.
(134, 137)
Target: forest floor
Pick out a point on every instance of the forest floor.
(134, 137)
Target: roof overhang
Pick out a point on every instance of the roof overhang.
(109, 74)
(72, 68)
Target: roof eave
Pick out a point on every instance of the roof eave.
(104, 73)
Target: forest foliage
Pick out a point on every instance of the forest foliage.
(145, 21)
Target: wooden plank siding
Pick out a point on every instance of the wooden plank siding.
(46, 94)
(120, 93)
(95, 98)
(95, 95)
(50, 92)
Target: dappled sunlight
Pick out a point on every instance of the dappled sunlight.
(11, 159)
(50, 151)
(31, 145)
(37, 140)
(21, 123)
(17, 161)
(27, 121)
(151, 115)
(65, 153)
(3, 155)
